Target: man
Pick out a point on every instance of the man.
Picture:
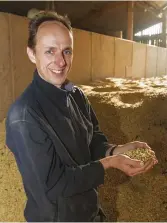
(54, 134)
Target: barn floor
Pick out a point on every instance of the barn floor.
(127, 110)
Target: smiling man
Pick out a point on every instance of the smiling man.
(53, 52)
(54, 134)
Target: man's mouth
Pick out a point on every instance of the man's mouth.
(57, 71)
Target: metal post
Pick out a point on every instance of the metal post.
(130, 5)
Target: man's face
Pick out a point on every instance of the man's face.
(53, 52)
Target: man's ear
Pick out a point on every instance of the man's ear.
(31, 55)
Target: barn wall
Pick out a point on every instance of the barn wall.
(139, 60)
(96, 56)
(151, 61)
(81, 67)
(123, 58)
(161, 61)
(6, 79)
(22, 68)
(103, 56)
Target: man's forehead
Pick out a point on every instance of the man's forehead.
(53, 27)
(50, 36)
(51, 23)
(53, 43)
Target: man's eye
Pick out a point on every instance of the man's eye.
(68, 52)
(49, 52)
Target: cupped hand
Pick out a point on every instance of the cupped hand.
(130, 146)
(131, 167)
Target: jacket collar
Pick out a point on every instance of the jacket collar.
(52, 91)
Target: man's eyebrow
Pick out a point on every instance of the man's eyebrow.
(54, 47)
(68, 48)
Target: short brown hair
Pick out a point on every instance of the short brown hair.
(41, 17)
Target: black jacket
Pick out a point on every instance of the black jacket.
(55, 138)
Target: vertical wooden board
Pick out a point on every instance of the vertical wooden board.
(139, 60)
(5, 63)
(22, 68)
(161, 61)
(81, 68)
(123, 57)
(102, 56)
(151, 61)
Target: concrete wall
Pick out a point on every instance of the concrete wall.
(22, 68)
(6, 86)
(96, 56)
(81, 68)
(123, 58)
(15, 68)
(161, 61)
(151, 61)
(103, 51)
(139, 60)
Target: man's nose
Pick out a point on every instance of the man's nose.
(60, 60)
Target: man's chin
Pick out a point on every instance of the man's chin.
(59, 83)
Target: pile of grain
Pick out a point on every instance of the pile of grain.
(127, 110)
(12, 197)
(131, 110)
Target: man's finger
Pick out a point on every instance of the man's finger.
(134, 163)
(148, 165)
(155, 161)
(144, 145)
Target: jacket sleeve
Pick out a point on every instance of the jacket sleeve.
(40, 165)
(99, 146)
